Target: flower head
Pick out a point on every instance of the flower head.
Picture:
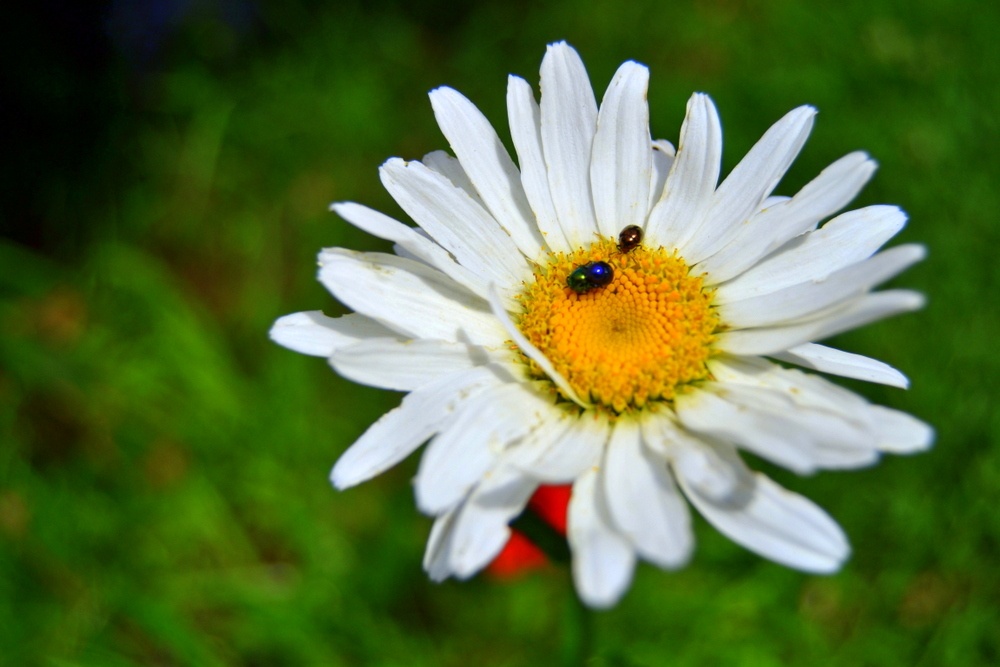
(604, 313)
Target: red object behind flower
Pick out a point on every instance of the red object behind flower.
(520, 554)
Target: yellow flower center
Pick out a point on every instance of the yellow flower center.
(634, 341)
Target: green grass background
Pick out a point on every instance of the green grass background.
(163, 470)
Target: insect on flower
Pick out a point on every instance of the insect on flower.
(630, 238)
(590, 275)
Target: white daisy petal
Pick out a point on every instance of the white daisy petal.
(481, 529)
(603, 560)
(771, 201)
(663, 159)
(845, 240)
(412, 240)
(782, 219)
(708, 466)
(845, 364)
(401, 430)
(804, 299)
(573, 446)
(470, 445)
(525, 131)
(405, 365)
(479, 536)
(437, 554)
(753, 179)
(403, 252)
(770, 425)
(863, 310)
(889, 430)
(466, 538)
(318, 335)
(688, 191)
(455, 221)
(400, 251)
(759, 372)
(898, 432)
(505, 482)
(488, 166)
(775, 523)
(622, 155)
(830, 191)
(409, 298)
(452, 169)
(870, 308)
(642, 500)
(569, 121)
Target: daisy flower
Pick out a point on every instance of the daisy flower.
(604, 313)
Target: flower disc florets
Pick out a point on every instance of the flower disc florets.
(636, 340)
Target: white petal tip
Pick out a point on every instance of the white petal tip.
(340, 480)
(906, 434)
(829, 568)
(822, 559)
(443, 94)
(427, 507)
(603, 592)
(804, 113)
(631, 66)
(916, 301)
(392, 163)
(601, 601)
(307, 333)
(675, 562)
(430, 498)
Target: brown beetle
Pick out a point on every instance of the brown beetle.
(629, 238)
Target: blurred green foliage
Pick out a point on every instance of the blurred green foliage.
(163, 493)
